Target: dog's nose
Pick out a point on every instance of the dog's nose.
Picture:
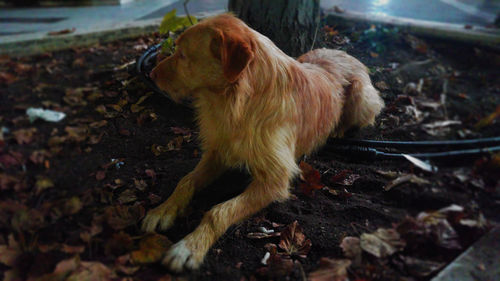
(152, 75)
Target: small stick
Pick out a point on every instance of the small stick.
(187, 12)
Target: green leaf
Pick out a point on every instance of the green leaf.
(167, 46)
(173, 23)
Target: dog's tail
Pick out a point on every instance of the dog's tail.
(361, 105)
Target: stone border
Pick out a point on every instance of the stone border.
(480, 36)
(481, 261)
(41, 42)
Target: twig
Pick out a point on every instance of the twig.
(315, 32)
(187, 12)
(443, 97)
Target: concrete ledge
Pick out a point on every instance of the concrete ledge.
(36, 43)
(480, 262)
(480, 36)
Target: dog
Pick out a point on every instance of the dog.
(257, 109)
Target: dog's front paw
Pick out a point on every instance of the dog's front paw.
(161, 217)
(182, 256)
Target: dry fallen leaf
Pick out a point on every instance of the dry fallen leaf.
(311, 179)
(10, 252)
(120, 243)
(127, 196)
(351, 248)
(151, 249)
(43, 183)
(331, 270)
(24, 136)
(62, 32)
(7, 78)
(91, 271)
(405, 178)
(345, 177)
(382, 243)
(120, 217)
(488, 120)
(294, 242)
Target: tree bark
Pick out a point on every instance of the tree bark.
(290, 24)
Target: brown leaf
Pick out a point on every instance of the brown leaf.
(124, 132)
(351, 248)
(331, 270)
(92, 231)
(95, 139)
(151, 173)
(382, 243)
(175, 144)
(294, 242)
(100, 175)
(120, 243)
(68, 249)
(381, 85)
(311, 179)
(24, 136)
(405, 178)
(43, 183)
(12, 158)
(151, 249)
(180, 131)
(140, 184)
(78, 62)
(122, 216)
(39, 156)
(10, 252)
(62, 270)
(127, 196)
(8, 182)
(488, 120)
(7, 78)
(157, 149)
(77, 134)
(72, 206)
(98, 124)
(61, 32)
(91, 271)
(345, 177)
(123, 265)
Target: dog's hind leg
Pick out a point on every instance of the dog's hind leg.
(163, 216)
(362, 104)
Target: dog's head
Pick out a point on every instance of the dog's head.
(210, 56)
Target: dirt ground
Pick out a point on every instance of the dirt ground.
(73, 192)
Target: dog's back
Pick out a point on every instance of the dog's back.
(362, 102)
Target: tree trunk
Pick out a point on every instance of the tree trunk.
(290, 24)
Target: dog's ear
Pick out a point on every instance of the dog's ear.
(233, 51)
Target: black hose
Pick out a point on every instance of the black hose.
(368, 153)
(419, 144)
(142, 64)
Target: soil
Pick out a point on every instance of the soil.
(156, 146)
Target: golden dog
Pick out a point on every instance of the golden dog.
(256, 108)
